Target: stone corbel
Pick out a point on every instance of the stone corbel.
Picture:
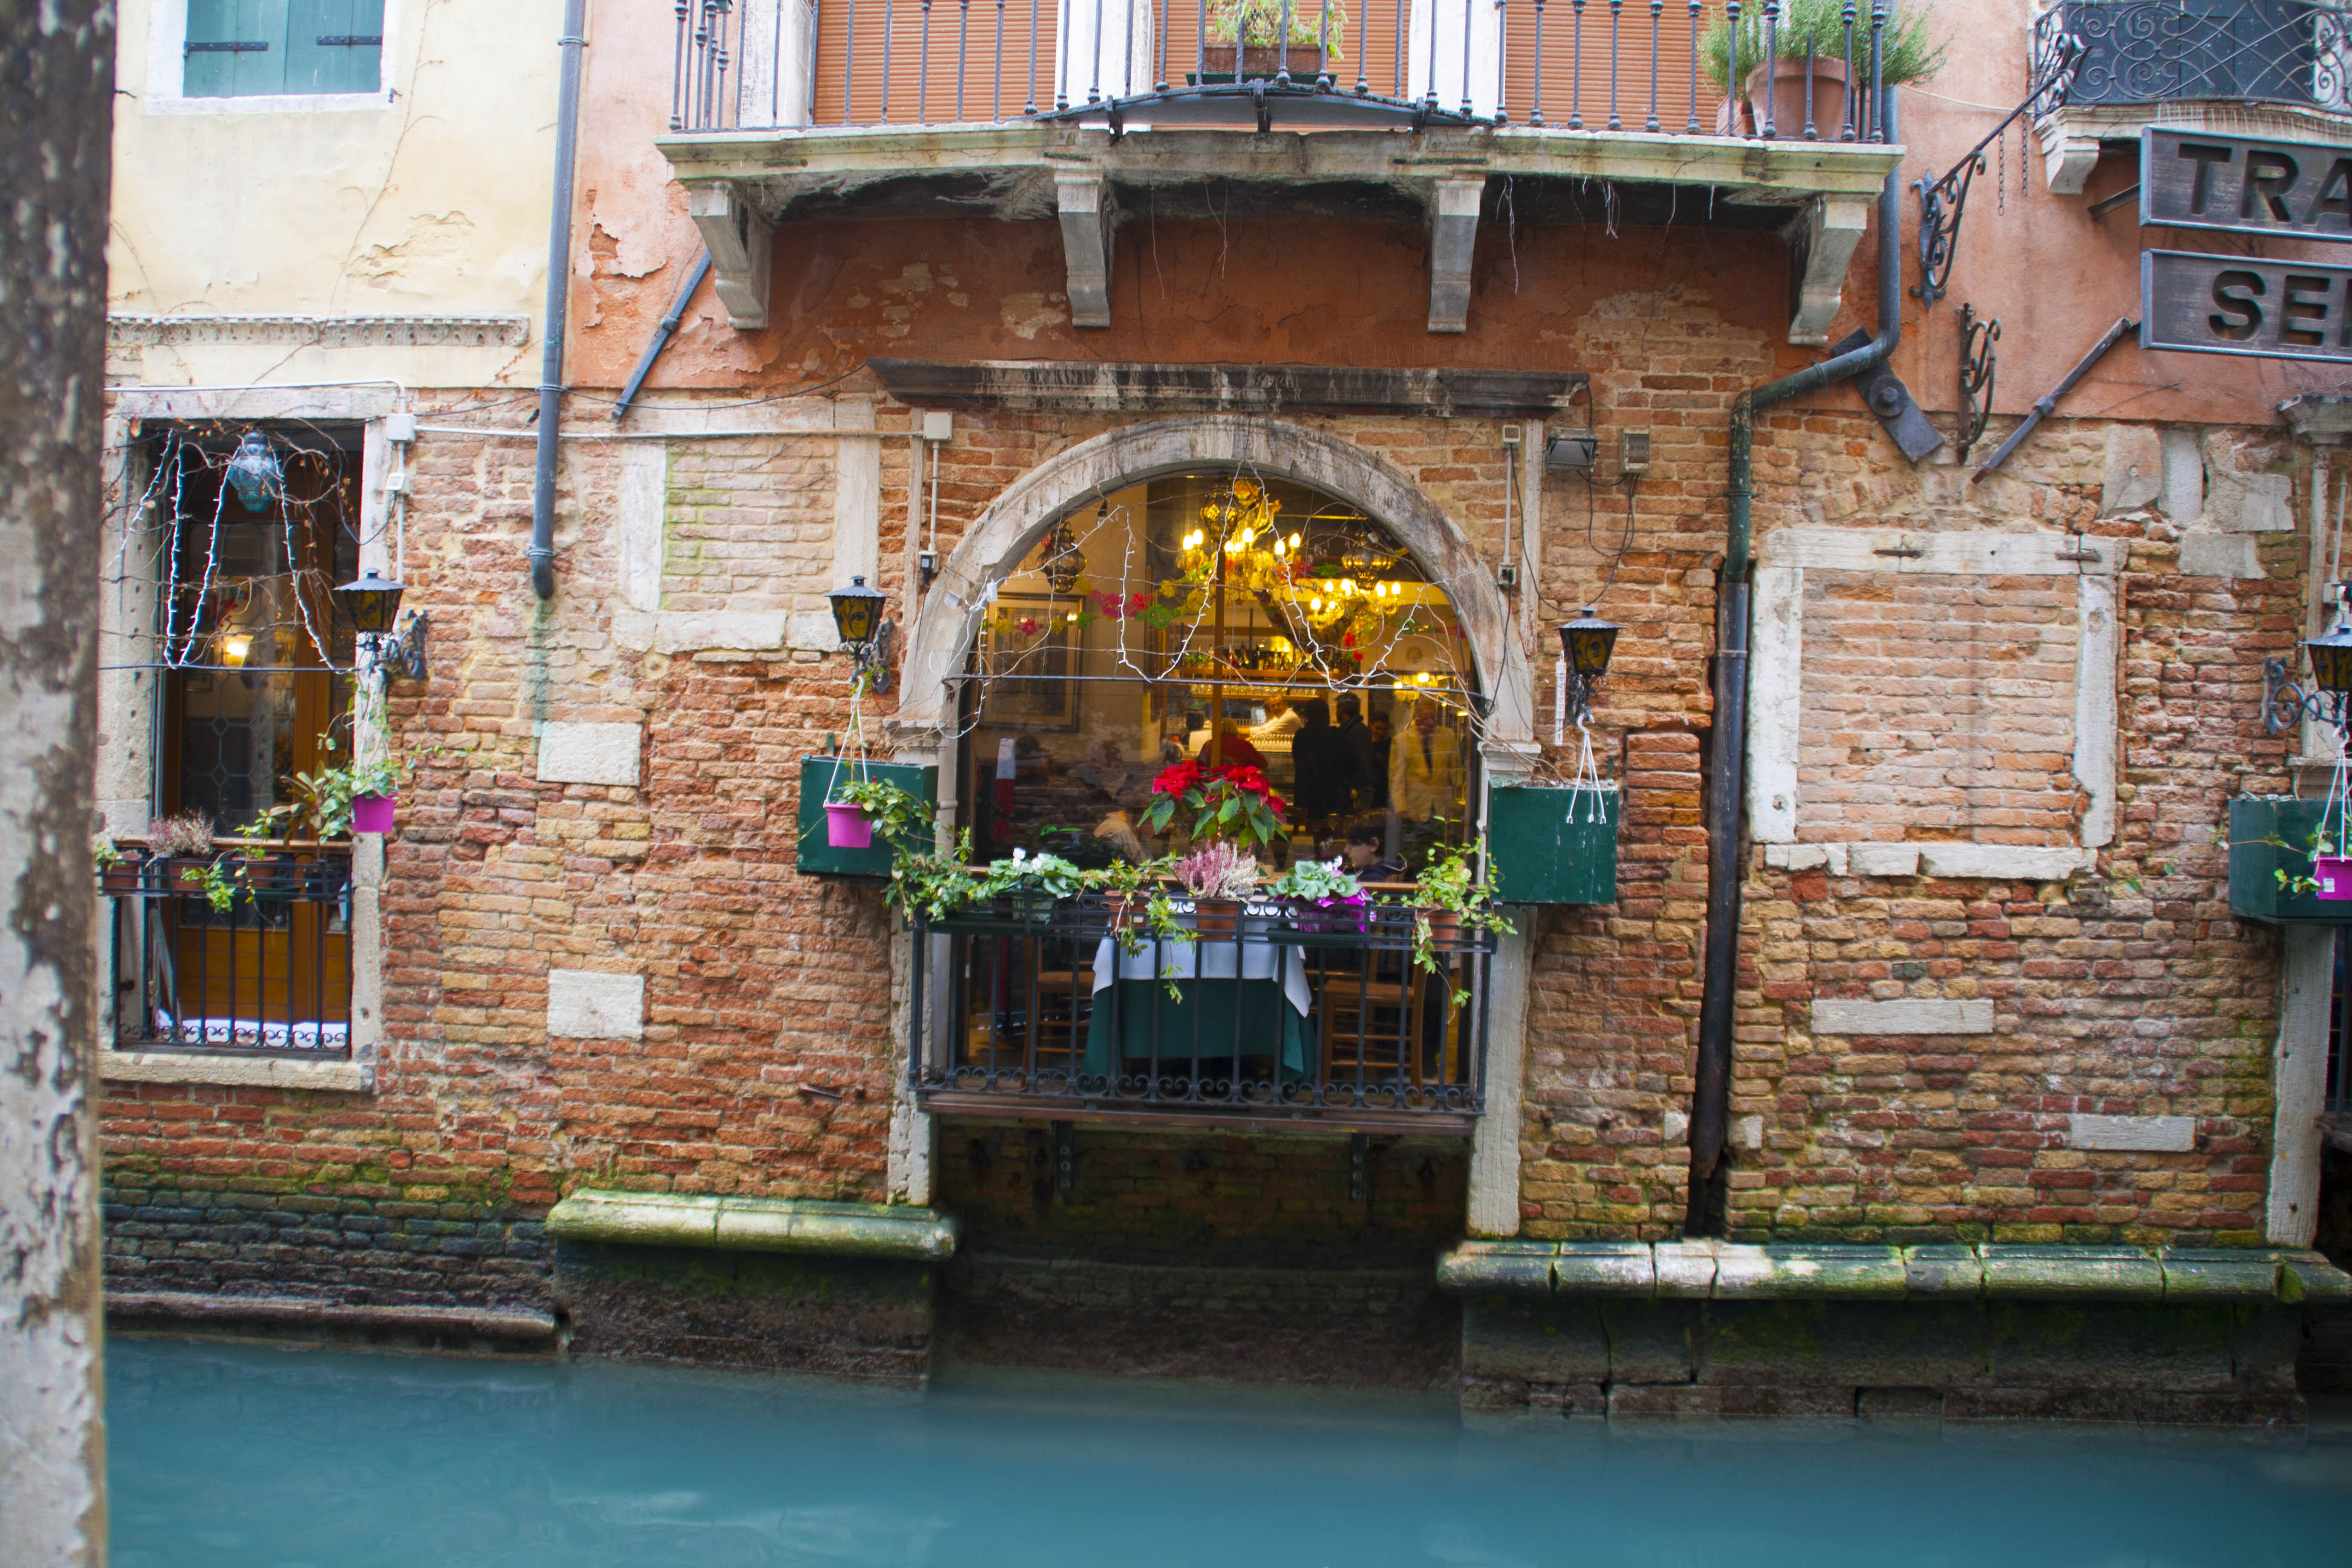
(1822, 242)
(1453, 237)
(2068, 153)
(1087, 222)
(741, 239)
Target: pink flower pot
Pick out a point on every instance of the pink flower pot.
(372, 812)
(2334, 875)
(847, 826)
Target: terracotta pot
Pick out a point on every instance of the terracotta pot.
(119, 879)
(1788, 94)
(2334, 875)
(847, 826)
(1445, 925)
(1216, 919)
(1260, 61)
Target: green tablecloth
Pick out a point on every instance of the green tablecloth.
(1264, 1014)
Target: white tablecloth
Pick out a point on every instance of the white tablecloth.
(1256, 961)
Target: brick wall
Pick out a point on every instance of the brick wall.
(1937, 708)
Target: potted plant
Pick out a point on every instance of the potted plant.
(1026, 887)
(117, 873)
(1811, 34)
(1231, 800)
(1449, 895)
(1325, 885)
(932, 883)
(874, 803)
(1218, 875)
(1245, 39)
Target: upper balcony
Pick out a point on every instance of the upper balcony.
(1081, 110)
(2286, 64)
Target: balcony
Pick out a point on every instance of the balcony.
(2288, 62)
(260, 967)
(1080, 110)
(1274, 1015)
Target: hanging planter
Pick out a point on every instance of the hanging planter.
(846, 825)
(2274, 875)
(2334, 875)
(373, 813)
(822, 778)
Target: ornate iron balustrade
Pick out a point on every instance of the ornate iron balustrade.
(2296, 52)
(1274, 1013)
(1571, 65)
(270, 972)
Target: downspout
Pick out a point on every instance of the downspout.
(1727, 782)
(559, 290)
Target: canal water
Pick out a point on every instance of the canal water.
(267, 1458)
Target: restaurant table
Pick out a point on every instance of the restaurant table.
(1237, 984)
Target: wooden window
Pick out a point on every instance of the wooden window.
(254, 48)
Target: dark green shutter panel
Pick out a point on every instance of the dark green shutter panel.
(236, 49)
(334, 45)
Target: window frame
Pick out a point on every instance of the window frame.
(167, 38)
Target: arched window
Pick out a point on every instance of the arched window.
(1218, 615)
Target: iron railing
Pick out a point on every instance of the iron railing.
(270, 972)
(1269, 1011)
(1567, 65)
(2296, 52)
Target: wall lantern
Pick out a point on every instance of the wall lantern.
(2331, 666)
(255, 472)
(372, 601)
(857, 616)
(1586, 643)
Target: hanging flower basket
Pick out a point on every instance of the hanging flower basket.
(847, 826)
(2334, 875)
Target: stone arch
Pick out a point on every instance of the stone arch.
(1002, 536)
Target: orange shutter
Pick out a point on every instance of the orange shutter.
(1570, 90)
(992, 40)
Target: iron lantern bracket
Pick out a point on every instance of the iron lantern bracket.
(382, 653)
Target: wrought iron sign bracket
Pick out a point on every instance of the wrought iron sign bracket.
(1977, 366)
(2286, 704)
(1942, 203)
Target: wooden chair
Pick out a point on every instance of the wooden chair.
(1370, 1020)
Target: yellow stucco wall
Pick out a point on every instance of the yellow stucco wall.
(427, 199)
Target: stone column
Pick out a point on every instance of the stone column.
(57, 58)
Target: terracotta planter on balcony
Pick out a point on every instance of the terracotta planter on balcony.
(1746, 118)
(1258, 62)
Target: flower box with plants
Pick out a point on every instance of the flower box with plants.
(2290, 860)
(1244, 41)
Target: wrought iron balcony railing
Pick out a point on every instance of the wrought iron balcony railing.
(2292, 52)
(269, 971)
(1268, 1011)
(1575, 65)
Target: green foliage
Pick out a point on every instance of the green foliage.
(1256, 24)
(1452, 883)
(103, 853)
(900, 814)
(1907, 49)
(932, 883)
(1317, 880)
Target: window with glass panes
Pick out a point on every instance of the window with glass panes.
(256, 49)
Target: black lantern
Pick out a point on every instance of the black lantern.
(1586, 643)
(372, 601)
(2284, 701)
(857, 616)
(2331, 659)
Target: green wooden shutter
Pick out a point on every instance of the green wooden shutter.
(334, 45)
(236, 49)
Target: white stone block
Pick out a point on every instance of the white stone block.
(1883, 859)
(589, 753)
(2134, 475)
(2015, 862)
(2219, 555)
(1677, 1128)
(2152, 1134)
(2184, 474)
(2253, 503)
(1796, 856)
(585, 1005)
(1904, 1016)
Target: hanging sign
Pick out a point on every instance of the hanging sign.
(2244, 305)
(2245, 184)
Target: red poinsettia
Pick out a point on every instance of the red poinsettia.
(1233, 798)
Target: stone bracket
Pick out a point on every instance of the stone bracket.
(1088, 222)
(1453, 238)
(1821, 241)
(740, 240)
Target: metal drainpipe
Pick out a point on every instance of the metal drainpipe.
(559, 291)
(1728, 764)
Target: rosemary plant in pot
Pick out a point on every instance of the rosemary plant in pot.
(1809, 37)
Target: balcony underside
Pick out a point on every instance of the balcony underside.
(741, 182)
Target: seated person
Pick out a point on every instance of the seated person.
(1366, 862)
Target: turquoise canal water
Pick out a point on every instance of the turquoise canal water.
(264, 1458)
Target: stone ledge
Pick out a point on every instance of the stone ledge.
(755, 1225)
(241, 1072)
(1722, 1270)
(507, 1324)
